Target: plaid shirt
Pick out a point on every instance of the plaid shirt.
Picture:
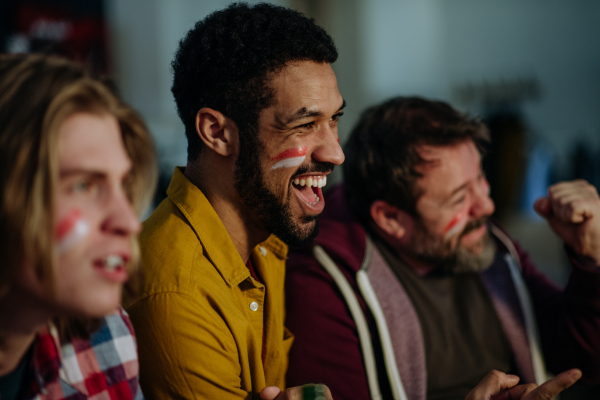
(105, 367)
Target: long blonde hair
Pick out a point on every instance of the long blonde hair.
(37, 94)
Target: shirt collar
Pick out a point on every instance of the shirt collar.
(211, 232)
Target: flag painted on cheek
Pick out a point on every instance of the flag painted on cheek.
(71, 230)
(456, 225)
(290, 158)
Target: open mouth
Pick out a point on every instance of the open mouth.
(113, 267)
(309, 187)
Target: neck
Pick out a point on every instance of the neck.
(20, 320)
(416, 265)
(245, 230)
(402, 250)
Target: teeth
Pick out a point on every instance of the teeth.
(112, 262)
(311, 182)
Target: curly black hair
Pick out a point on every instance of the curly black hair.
(225, 62)
(382, 150)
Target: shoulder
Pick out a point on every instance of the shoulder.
(104, 362)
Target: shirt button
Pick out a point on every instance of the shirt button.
(254, 306)
(262, 250)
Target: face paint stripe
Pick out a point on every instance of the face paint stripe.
(67, 223)
(289, 162)
(455, 225)
(291, 153)
(71, 230)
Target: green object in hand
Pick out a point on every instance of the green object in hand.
(313, 392)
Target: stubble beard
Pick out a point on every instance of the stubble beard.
(453, 259)
(262, 206)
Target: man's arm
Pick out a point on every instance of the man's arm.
(569, 320)
(186, 350)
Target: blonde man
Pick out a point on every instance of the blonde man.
(76, 169)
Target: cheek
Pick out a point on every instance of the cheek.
(71, 230)
(289, 158)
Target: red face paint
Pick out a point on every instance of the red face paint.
(67, 224)
(289, 153)
(456, 224)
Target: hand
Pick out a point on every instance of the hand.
(573, 211)
(500, 386)
(295, 393)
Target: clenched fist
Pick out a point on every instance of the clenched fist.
(573, 211)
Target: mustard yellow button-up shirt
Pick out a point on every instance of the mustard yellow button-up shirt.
(199, 319)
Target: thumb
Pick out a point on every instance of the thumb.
(542, 207)
(270, 393)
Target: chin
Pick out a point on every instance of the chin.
(96, 304)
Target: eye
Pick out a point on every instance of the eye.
(307, 126)
(460, 200)
(337, 116)
(81, 186)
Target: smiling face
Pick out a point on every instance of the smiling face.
(94, 220)
(298, 147)
(453, 209)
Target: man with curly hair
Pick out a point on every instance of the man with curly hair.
(260, 104)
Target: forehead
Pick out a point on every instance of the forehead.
(94, 142)
(305, 84)
(447, 168)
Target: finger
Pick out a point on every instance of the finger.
(516, 393)
(573, 209)
(270, 393)
(542, 207)
(554, 386)
(493, 383)
(585, 191)
(575, 185)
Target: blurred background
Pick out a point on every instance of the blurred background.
(530, 68)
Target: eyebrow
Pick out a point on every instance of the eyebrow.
(93, 173)
(80, 171)
(304, 113)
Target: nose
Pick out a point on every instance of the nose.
(483, 205)
(122, 219)
(329, 150)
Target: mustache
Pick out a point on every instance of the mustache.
(472, 225)
(314, 167)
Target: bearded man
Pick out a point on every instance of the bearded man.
(412, 291)
(260, 104)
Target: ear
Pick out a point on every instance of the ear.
(219, 133)
(390, 219)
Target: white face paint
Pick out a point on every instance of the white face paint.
(289, 162)
(71, 230)
(290, 158)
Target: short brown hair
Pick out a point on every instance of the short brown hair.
(37, 94)
(382, 151)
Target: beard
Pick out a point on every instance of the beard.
(457, 259)
(262, 206)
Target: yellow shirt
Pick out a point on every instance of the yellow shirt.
(200, 316)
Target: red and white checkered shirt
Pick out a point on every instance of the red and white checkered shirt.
(105, 367)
